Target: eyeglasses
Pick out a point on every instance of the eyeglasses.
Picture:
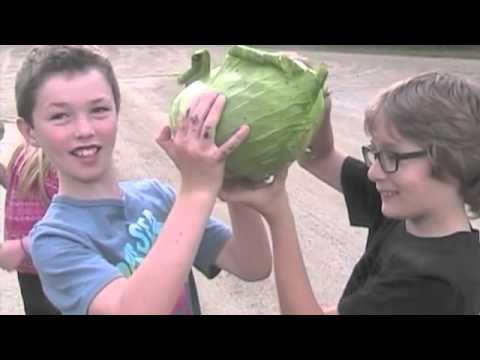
(388, 160)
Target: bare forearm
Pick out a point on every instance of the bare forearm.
(323, 160)
(293, 286)
(252, 254)
(156, 285)
(11, 255)
(324, 141)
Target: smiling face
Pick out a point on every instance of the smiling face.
(75, 123)
(410, 193)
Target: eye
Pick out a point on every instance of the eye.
(100, 109)
(391, 157)
(59, 116)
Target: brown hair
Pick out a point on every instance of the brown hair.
(46, 60)
(42, 62)
(439, 112)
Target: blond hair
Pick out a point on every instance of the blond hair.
(439, 112)
(33, 169)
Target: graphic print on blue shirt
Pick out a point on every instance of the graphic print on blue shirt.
(144, 232)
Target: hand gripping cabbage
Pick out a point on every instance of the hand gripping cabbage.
(281, 99)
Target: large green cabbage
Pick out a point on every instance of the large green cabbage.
(280, 98)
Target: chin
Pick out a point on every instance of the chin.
(88, 177)
(392, 214)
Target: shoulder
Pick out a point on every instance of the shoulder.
(61, 219)
(52, 240)
(65, 219)
(454, 258)
(352, 167)
(464, 255)
(456, 253)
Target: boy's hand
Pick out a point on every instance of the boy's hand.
(263, 197)
(192, 146)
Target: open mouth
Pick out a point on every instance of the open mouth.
(85, 151)
(388, 194)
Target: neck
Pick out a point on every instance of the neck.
(443, 224)
(105, 188)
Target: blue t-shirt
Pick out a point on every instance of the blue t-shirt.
(79, 247)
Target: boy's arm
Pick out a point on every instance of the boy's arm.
(12, 254)
(247, 255)
(294, 289)
(155, 286)
(327, 169)
(323, 160)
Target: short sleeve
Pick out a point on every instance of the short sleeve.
(72, 274)
(215, 237)
(361, 197)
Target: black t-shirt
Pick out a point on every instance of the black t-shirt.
(403, 274)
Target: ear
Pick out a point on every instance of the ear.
(28, 132)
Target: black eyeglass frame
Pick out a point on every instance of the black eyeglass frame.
(397, 156)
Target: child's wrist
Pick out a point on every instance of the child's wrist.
(278, 210)
(198, 193)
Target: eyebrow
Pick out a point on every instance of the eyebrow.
(63, 104)
(98, 100)
(58, 104)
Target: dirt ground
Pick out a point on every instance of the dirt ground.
(147, 79)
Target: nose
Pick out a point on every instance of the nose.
(84, 127)
(375, 172)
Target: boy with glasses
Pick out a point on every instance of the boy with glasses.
(415, 191)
